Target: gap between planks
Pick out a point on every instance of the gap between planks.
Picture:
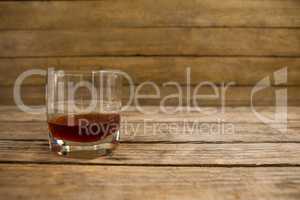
(153, 165)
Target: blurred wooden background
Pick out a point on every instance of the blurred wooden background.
(221, 41)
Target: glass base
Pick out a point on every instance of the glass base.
(86, 150)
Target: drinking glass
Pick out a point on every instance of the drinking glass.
(83, 111)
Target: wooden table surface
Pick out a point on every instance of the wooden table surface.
(256, 161)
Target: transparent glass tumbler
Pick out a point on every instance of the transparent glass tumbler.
(83, 112)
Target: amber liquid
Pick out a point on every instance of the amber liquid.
(90, 127)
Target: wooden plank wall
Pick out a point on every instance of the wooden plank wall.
(221, 41)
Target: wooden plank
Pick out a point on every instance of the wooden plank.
(234, 96)
(174, 132)
(160, 69)
(232, 154)
(123, 182)
(163, 13)
(152, 41)
(206, 114)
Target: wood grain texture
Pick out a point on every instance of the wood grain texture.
(145, 13)
(122, 182)
(171, 132)
(233, 96)
(221, 41)
(206, 114)
(241, 70)
(152, 41)
(248, 154)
